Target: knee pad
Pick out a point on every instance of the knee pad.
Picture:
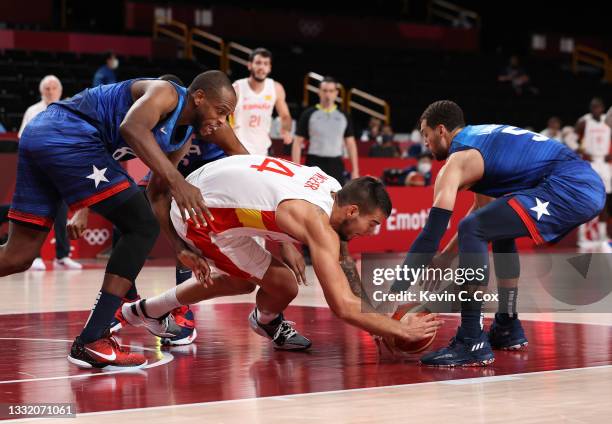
(139, 231)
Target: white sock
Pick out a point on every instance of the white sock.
(582, 233)
(602, 228)
(161, 304)
(264, 317)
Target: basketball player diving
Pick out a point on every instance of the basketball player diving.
(256, 196)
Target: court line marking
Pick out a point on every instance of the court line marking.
(478, 380)
(166, 358)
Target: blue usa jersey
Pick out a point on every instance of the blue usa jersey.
(200, 153)
(549, 186)
(71, 151)
(514, 159)
(105, 106)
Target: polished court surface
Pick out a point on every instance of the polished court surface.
(231, 375)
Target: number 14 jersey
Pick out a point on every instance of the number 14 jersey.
(243, 192)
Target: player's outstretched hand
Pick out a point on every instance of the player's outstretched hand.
(77, 225)
(189, 198)
(294, 260)
(415, 327)
(198, 265)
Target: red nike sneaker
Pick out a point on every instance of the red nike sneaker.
(104, 353)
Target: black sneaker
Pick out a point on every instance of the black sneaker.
(281, 332)
(462, 352)
(507, 334)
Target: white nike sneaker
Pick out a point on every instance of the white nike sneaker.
(66, 263)
(163, 326)
(38, 265)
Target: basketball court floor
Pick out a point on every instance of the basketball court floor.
(231, 375)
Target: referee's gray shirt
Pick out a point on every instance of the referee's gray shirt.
(325, 129)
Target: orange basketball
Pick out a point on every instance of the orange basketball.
(401, 344)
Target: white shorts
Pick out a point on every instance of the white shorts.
(602, 169)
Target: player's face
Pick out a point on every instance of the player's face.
(355, 224)
(328, 93)
(260, 67)
(211, 114)
(435, 140)
(51, 91)
(597, 109)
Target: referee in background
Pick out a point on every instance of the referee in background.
(327, 129)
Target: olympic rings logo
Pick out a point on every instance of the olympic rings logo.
(96, 236)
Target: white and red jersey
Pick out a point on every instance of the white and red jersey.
(253, 115)
(243, 192)
(596, 139)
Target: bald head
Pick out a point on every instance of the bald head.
(214, 99)
(215, 84)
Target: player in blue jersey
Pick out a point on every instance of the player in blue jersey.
(67, 152)
(541, 188)
(203, 150)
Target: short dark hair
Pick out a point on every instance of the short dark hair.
(213, 83)
(368, 193)
(173, 78)
(445, 112)
(109, 54)
(260, 51)
(425, 155)
(328, 79)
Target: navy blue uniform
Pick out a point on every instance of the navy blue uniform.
(71, 150)
(200, 153)
(548, 185)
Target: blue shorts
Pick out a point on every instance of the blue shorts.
(61, 156)
(572, 195)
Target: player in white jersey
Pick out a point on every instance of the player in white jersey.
(254, 195)
(258, 96)
(595, 136)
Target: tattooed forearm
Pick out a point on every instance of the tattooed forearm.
(349, 267)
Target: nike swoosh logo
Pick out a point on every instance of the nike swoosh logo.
(163, 130)
(103, 355)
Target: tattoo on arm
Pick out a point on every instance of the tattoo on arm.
(349, 267)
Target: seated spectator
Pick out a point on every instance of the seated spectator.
(2, 129)
(420, 175)
(106, 73)
(553, 129)
(388, 149)
(387, 133)
(517, 76)
(414, 176)
(372, 133)
(418, 144)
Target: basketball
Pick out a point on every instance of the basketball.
(397, 344)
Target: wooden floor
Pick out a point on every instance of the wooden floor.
(231, 375)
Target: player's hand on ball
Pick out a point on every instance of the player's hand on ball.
(417, 327)
(198, 265)
(189, 198)
(77, 225)
(294, 260)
